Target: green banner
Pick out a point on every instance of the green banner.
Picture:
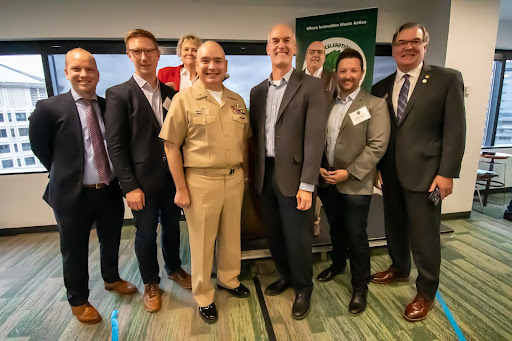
(337, 31)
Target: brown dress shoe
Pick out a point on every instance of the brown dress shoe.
(86, 313)
(182, 278)
(418, 309)
(122, 287)
(152, 298)
(389, 276)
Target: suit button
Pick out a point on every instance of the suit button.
(164, 158)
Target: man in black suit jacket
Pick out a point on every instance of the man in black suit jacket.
(426, 104)
(288, 117)
(66, 134)
(134, 115)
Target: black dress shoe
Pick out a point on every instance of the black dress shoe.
(301, 306)
(208, 313)
(329, 273)
(241, 291)
(358, 302)
(276, 288)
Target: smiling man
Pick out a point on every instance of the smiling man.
(426, 106)
(67, 134)
(288, 117)
(357, 138)
(206, 132)
(134, 115)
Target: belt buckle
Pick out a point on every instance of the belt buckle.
(232, 171)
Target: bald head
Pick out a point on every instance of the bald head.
(82, 72)
(315, 56)
(211, 65)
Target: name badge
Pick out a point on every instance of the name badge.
(360, 115)
(202, 112)
(167, 103)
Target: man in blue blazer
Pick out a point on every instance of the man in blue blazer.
(67, 135)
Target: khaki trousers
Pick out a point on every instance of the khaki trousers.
(214, 213)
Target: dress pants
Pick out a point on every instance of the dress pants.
(214, 213)
(288, 232)
(158, 206)
(413, 224)
(105, 208)
(348, 217)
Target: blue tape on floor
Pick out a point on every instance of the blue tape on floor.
(115, 326)
(454, 324)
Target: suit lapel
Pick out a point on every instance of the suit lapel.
(419, 89)
(291, 89)
(74, 118)
(262, 94)
(143, 102)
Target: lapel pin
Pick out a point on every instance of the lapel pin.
(427, 76)
(424, 81)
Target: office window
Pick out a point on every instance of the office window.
(29, 161)
(7, 164)
(1, 117)
(22, 83)
(23, 131)
(3, 133)
(5, 148)
(25, 146)
(498, 126)
(21, 116)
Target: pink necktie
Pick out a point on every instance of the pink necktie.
(100, 154)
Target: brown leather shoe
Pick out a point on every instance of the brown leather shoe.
(122, 287)
(86, 313)
(389, 276)
(418, 309)
(152, 298)
(182, 278)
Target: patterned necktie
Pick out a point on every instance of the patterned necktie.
(402, 99)
(100, 154)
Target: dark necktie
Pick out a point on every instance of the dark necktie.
(402, 99)
(100, 154)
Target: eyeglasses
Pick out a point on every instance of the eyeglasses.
(138, 53)
(404, 43)
(320, 52)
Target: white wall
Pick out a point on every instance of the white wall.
(470, 49)
(227, 19)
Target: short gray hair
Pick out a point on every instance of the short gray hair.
(192, 37)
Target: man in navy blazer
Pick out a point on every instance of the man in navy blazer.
(428, 127)
(67, 135)
(134, 115)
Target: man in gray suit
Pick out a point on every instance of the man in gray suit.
(357, 138)
(426, 105)
(288, 117)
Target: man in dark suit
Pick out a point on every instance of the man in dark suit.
(288, 116)
(134, 115)
(66, 134)
(426, 104)
(357, 138)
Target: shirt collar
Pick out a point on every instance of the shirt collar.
(350, 97)
(142, 83)
(77, 96)
(286, 77)
(317, 74)
(415, 73)
(185, 74)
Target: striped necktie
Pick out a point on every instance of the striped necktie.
(100, 153)
(402, 99)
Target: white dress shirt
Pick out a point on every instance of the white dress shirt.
(91, 176)
(338, 113)
(185, 81)
(414, 74)
(317, 74)
(153, 96)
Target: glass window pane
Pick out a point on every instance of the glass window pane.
(22, 83)
(3, 133)
(5, 148)
(383, 66)
(1, 117)
(504, 126)
(25, 146)
(29, 161)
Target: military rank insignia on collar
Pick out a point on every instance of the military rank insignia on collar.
(237, 109)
